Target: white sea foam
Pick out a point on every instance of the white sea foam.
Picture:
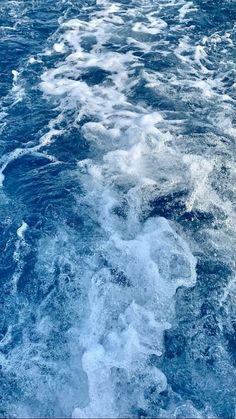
(153, 27)
(126, 323)
(17, 90)
(131, 298)
(186, 9)
(21, 230)
(19, 152)
(18, 255)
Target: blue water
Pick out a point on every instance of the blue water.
(117, 208)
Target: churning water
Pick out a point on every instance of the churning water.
(117, 206)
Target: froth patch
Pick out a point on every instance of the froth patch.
(131, 305)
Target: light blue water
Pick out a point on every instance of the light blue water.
(117, 204)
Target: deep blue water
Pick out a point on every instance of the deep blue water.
(117, 208)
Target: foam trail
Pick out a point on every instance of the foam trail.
(18, 255)
(127, 318)
(131, 298)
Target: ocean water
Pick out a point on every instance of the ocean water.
(117, 208)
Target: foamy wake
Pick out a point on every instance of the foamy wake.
(128, 283)
(138, 266)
